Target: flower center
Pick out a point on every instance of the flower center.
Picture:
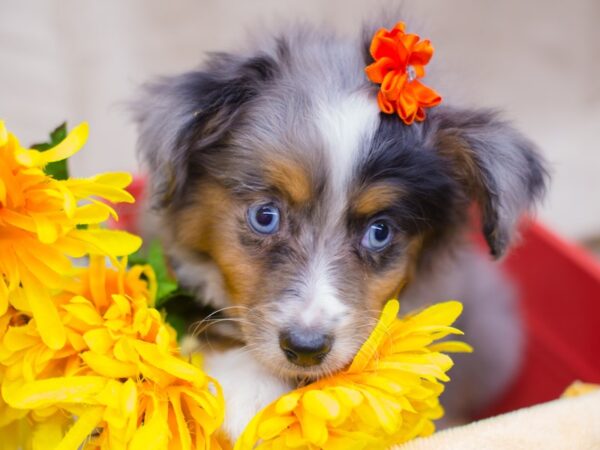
(411, 73)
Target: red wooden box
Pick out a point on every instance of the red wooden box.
(559, 286)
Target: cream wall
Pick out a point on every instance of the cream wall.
(539, 60)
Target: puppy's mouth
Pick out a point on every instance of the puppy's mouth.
(302, 375)
(304, 364)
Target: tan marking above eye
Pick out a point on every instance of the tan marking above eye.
(290, 178)
(383, 287)
(375, 198)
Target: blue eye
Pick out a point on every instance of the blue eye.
(378, 236)
(264, 219)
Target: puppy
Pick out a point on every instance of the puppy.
(290, 204)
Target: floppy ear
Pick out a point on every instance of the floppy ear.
(183, 118)
(496, 165)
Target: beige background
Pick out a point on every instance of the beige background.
(539, 60)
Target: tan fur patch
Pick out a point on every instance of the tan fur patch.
(376, 198)
(388, 286)
(210, 225)
(290, 179)
(464, 164)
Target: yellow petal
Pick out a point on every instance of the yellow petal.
(440, 314)
(124, 350)
(273, 426)
(46, 229)
(71, 247)
(347, 396)
(411, 343)
(43, 393)
(97, 279)
(3, 134)
(369, 348)
(427, 371)
(386, 418)
(79, 432)
(185, 440)
(69, 201)
(108, 242)
(152, 435)
(287, 403)
(321, 404)
(386, 384)
(170, 364)
(293, 437)
(16, 435)
(249, 435)
(451, 347)
(115, 179)
(48, 433)
(68, 147)
(48, 268)
(17, 339)
(2, 193)
(120, 307)
(313, 428)
(46, 316)
(92, 213)
(3, 297)
(98, 340)
(96, 187)
(109, 367)
(83, 310)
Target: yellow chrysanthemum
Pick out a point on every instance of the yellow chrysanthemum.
(388, 395)
(40, 226)
(118, 382)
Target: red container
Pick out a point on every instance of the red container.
(559, 286)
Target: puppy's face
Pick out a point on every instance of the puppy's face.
(312, 229)
(280, 171)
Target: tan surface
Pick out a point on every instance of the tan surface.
(538, 59)
(566, 424)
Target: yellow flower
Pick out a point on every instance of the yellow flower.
(119, 373)
(40, 227)
(388, 395)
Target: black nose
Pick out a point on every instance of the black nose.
(305, 348)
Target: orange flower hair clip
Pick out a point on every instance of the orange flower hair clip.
(400, 59)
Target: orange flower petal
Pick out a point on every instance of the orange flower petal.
(395, 53)
(378, 70)
(392, 85)
(424, 95)
(421, 53)
(407, 108)
(409, 41)
(384, 104)
(387, 47)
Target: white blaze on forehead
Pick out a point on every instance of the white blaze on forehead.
(347, 128)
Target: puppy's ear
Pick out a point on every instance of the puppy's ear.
(496, 165)
(183, 118)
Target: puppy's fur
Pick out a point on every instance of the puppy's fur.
(296, 124)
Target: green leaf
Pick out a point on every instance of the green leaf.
(167, 286)
(178, 323)
(58, 170)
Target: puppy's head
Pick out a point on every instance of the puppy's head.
(288, 196)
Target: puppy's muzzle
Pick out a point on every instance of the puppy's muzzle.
(305, 348)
